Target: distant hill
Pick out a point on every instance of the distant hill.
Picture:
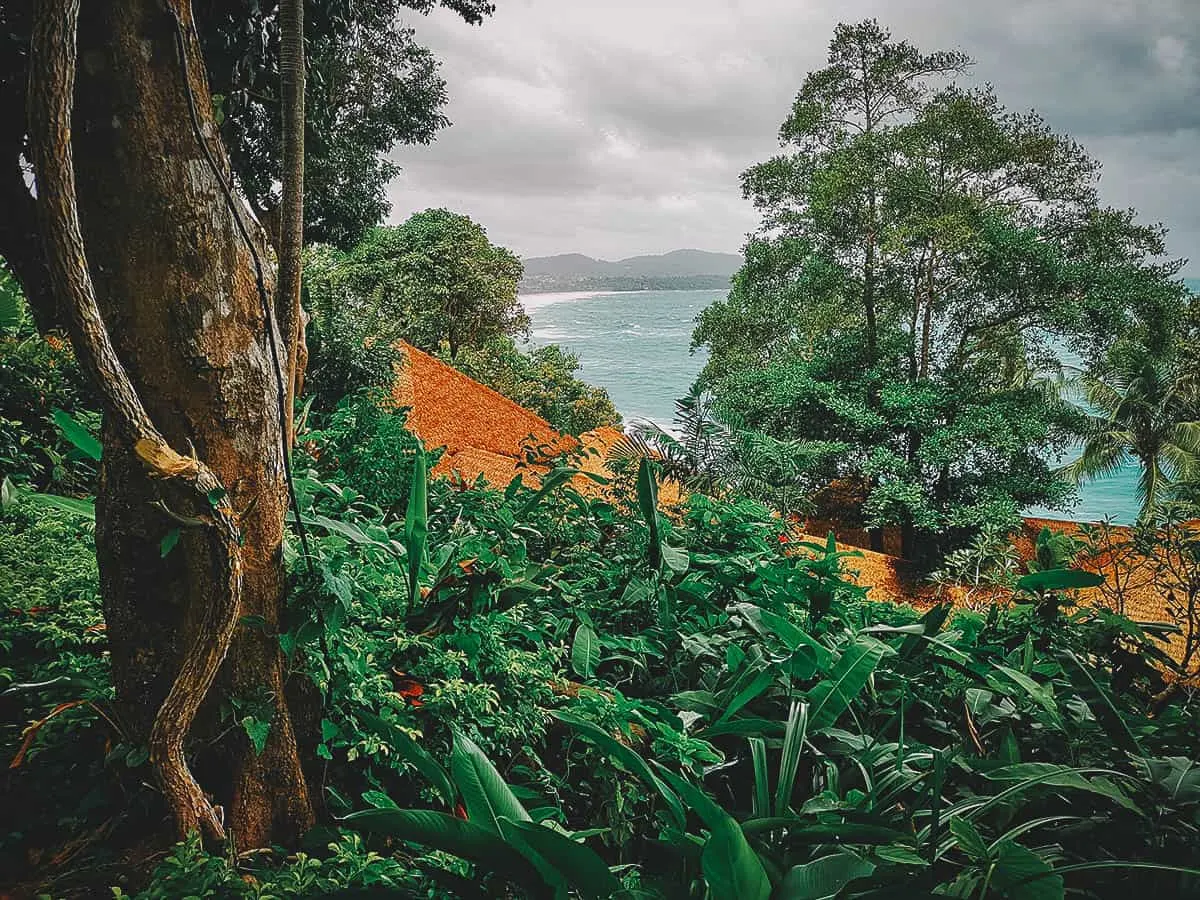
(677, 270)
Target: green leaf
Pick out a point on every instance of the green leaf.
(647, 493)
(933, 621)
(440, 831)
(85, 509)
(766, 622)
(76, 435)
(410, 751)
(902, 855)
(1020, 874)
(1031, 774)
(832, 697)
(1058, 580)
(550, 482)
(379, 800)
(731, 868)
(577, 865)
(789, 758)
(822, 878)
(969, 839)
(168, 542)
(676, 558)
(1100, 703)
(416, 523)
(1040, 694)
(585, 651)
(485, 794)
(8, 493)
(10, 302)
(257, 730)
(761, 805)
(630, 759)
(750, 691)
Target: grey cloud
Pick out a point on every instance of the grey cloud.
(620, 127)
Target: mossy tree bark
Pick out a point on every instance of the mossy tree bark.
(175, 286)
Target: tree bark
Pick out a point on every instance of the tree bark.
(175, 284)
(291, 232)
(21, 247)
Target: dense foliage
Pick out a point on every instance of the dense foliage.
(438, 283)
(541, 692)
(926, 258)
(558, 687)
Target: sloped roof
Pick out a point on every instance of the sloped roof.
(482, 432)
(447, 409)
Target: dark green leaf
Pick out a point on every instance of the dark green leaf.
(76, 435)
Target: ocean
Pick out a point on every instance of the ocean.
(636, 345)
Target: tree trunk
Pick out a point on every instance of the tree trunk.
(21, 247)
(176, 287)
(291, 231)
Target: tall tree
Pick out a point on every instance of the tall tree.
(923, 260)
(434, 279)
(185, 368)
(829, 187)
(372, 86)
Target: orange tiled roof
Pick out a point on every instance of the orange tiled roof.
(483, 432)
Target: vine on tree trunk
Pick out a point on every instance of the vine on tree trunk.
(51, 92)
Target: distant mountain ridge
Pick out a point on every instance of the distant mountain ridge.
(677, 270)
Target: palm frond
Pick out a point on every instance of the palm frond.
(1102, 455)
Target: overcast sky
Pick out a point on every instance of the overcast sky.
(617, 127)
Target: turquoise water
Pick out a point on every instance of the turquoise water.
(635, 345)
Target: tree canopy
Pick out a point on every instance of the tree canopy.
(925, 257)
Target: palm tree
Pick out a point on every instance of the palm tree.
(1143, 407)
(709, 453)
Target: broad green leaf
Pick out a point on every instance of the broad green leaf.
(1052, 775)
(1100, 703)
(748, 692)
(647, 493)
(85, 509)
(731, 868)
(585, 651)
(78, 436)
(822, 878)
(416, 523)
(1058, 580)
(440, 831)
(485, 794)
(8, 493)
(933, 620)
(408, 749)
(676, 558)
(969, 839)
(766, 622)
(257, 730)
(577, 865)
(1020, 874)
(168, 542)
(1039, 693)
(833, 696)
(629, 758)
(379, 800)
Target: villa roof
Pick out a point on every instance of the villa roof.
(482, 432)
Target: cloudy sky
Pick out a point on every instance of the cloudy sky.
(617, 127)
